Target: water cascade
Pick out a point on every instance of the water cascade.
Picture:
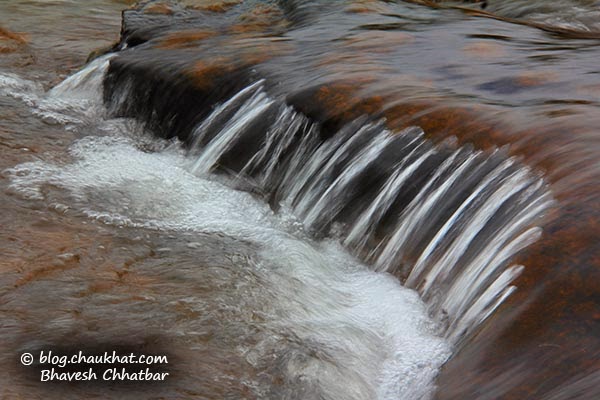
(315, 199)
(384, 195)
(457, 214)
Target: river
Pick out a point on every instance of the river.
(303, 199)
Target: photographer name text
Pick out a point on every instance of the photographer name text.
(109, 366)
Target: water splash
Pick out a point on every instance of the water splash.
(75, 101)
(446, 220)
(332, 327)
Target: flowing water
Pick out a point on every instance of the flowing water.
(582, 15)
(295, 289)
(268, 251)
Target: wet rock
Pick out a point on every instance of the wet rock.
(543, 336)
(367, 6)
(11, 41)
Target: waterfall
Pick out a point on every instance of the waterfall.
(284, 304)
(75, 100)
(445, 220)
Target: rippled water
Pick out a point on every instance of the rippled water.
(572, 15)
(371, 337)
(113, 237)
(313, 292)
(582, 15)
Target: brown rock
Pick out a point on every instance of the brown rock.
(11, 41)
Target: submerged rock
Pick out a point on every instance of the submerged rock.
(11, 41)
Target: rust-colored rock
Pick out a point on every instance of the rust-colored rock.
(9, 35)
(203, 73)
(547, 333)
(158, 8)
(261, 18)
(218, 6)
(367, 6)
(184, 39)
(11, 41)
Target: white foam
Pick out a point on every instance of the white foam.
(114, 181)
(374, 336)
(366, 336)
(76, 100)
(14, 86)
